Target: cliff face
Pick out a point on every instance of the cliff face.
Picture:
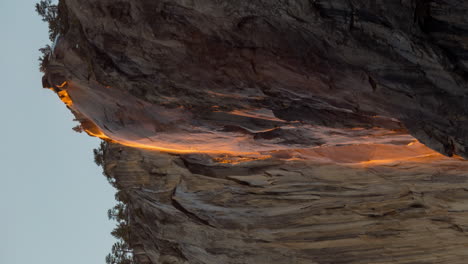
(187, 209)
(277, 131)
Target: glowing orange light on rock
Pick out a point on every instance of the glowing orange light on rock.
(65, 97)
(365, 151)
(238, 159)
(93, 130)
(62, 85)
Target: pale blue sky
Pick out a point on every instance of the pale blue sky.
(53, 198)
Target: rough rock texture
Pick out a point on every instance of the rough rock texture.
(334, 63)
(291, 125)
(186, 210)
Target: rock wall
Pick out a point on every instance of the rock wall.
(277, 131)
(186, 210)
(334, 63)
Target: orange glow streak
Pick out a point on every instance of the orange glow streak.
(354, 154)
(94, 131)
(65, 97)
(63, 84)
(174, 151)
(421, 158)
(63, 94)
(422, 154)
(98, 134)
(238, 160)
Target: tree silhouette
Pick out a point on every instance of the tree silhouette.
(44, 58)
(122, 231)
(56, 18)
(118, 213)
(121, 254)
(49, 14)
(99, 154)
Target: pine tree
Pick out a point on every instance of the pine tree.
(55, 16)
(99, 154)
(121, 254)
(49, 14)
(44, 58)
(118, 213)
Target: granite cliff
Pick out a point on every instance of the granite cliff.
(286, 131)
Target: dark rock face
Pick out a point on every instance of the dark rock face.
(332, 63)
(291, 125)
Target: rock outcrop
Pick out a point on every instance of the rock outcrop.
(187, 209)
(288, 131)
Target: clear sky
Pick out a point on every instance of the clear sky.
(53, 198)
